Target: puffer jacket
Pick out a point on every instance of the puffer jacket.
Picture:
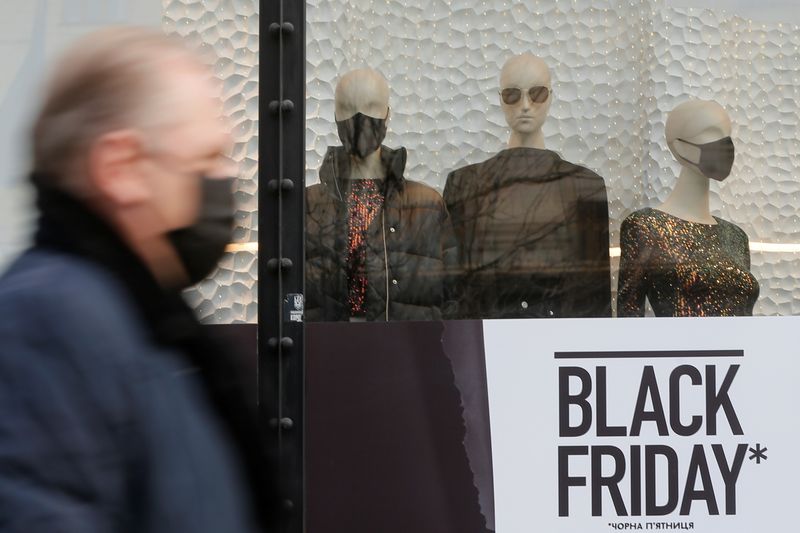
(410, 246)
(532, 233)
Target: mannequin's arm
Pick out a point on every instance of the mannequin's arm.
(632, 288)
(747, 251)
(456, 298)
(451, 269)
(593, 285)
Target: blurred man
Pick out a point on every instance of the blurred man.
(118, 412)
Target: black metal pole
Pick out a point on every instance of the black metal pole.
(281, 207)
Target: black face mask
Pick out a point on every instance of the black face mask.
(361, 135)
(716, 158)
(201, 245)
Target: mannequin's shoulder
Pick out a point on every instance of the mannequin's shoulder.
(315, 187)
(642, 220)
(422, 191)
(580, 172)
(461, 181)
(729, 228)
(466, 172)
(418, 195)
(587, 183)
(315, 191)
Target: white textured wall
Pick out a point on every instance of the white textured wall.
(229, 28)
(618, 68)
(760, 10)
(32, 32)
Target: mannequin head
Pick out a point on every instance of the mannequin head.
(523, 72)
(362, 112)
(362, 91)
(698, 122)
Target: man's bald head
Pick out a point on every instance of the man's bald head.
(112, 79)
(362, 91)
(132, 127)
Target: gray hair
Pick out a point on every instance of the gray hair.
(104, 82)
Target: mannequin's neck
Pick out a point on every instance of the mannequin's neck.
(689, 199)
(534, 139)
(368, 168)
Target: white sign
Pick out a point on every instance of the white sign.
(644, 424)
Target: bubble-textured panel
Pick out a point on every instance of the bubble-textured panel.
(752, 69)
(229, 296)
(228, 31)
(618, 67)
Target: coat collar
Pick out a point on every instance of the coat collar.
(69, 226)
(336, 166)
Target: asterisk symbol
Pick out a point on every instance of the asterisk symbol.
(758, 454)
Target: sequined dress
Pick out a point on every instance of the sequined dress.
(684, 268)
(363, 203)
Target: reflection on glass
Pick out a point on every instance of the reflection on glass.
(532, 228)
(685, 261)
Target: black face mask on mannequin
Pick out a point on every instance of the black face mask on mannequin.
(716, 158)
(361, 134)
(201, 245)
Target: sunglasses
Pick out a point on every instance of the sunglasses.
(538, 95)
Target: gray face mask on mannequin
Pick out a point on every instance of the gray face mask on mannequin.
(361, 134)
(716, 158)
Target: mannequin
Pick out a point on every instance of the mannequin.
(679, 256)
(363, 91)
(377, 244)
(699, 121)
(532, 228)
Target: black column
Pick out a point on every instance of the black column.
(281, 213)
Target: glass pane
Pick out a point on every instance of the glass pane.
(582, 152)
(229, 28)
(35, 32)
(541, 126)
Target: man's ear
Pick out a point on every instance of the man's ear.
(115, 168)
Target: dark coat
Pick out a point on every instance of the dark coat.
(118, 411)
(532, 233)
(409, 246)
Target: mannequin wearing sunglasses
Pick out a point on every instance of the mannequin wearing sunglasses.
(679, 256)
(532, 228)
(376, 243)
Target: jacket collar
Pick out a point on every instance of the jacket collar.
(68, 226)
(336, 167)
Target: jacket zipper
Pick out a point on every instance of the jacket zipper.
(385, 262)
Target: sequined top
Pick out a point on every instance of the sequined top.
(684, 268)
(364, 202)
